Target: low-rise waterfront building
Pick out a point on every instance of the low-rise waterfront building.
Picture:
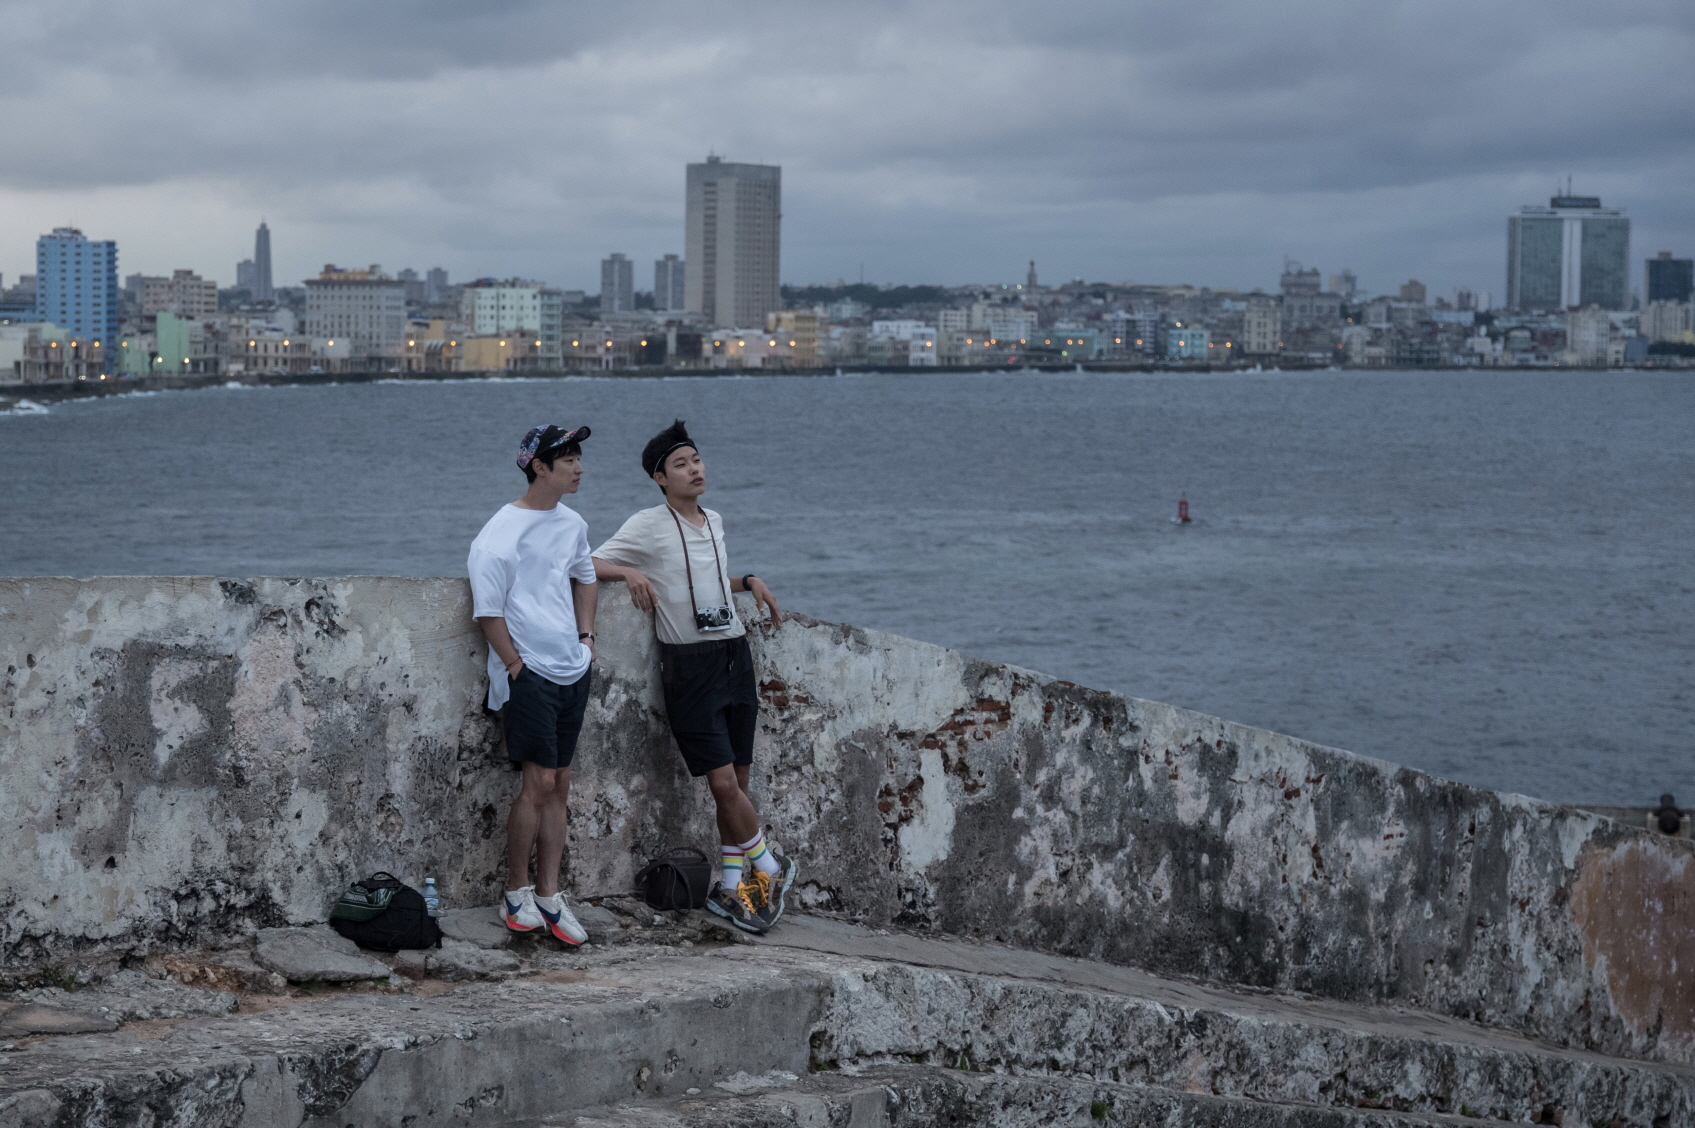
(1188, 342)
(184, 293)
(1008, 323)
(1262, 323)
(489, 308)
(1065, 342)
(500, 352)
(1305, 304)
(1588, 336)
(799, 328)
(49, 353)
(15, 346)
(843, 344)
(901, 343)
(738, 348)
(1666, 321)
(364, 309)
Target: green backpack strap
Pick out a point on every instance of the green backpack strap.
(365, 900)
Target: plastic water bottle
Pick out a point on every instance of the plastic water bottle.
(432, 899)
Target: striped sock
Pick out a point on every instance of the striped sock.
(759, 855)
(730, 867)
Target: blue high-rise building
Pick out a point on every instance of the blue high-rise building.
(76, 285)
(1670, 279)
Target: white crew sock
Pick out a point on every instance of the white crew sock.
(729, 867)
(757, 853)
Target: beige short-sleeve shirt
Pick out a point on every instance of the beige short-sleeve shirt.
(650, 543)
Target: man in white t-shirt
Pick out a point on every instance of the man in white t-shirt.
(534, 594)
(674, 561)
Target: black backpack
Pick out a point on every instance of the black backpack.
(679, 880)
(384, 914)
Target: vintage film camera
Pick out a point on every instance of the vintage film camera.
(719, 618)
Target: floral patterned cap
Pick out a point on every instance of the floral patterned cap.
(546, 437)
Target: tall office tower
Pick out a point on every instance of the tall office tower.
(435, 284)
(668, 284)
(1572, 253)
(1030, 279)
(732, 236)
(1669, 279)
(617, 285)
(262, 291)
(76, 284)
(246, 276)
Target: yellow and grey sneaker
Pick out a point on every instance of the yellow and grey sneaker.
(737, 906)
(787, 871)
(765, 908)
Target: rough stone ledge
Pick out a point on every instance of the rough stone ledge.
(649, 1024)
(914, 1095)
(315, 955)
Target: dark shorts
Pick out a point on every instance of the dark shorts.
(711, 702)
(543, 719)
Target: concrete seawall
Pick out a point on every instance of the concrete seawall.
(183, 758)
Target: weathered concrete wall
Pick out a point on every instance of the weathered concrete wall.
(181, 757)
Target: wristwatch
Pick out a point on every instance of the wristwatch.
(581, 635)
(747, 581)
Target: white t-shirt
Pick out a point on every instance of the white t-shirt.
(649, 543)
(521, 567)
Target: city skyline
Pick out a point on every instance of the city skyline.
(1177, 146)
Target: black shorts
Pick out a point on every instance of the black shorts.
(711, 701)
(543, 719)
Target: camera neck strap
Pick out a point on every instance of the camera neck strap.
(688, 569)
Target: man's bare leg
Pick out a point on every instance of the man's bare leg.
(737, 820)
(537, 822)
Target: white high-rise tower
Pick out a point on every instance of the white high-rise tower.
(732, 242)
(1572, 253)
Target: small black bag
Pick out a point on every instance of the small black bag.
(386, 915)
(679, 880)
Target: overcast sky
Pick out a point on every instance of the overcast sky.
(926, 142)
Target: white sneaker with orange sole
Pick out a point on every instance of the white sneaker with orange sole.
(560, 921)
(518, 910)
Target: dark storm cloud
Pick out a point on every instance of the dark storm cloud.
(1162, 142)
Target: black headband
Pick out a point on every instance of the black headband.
(660, 461)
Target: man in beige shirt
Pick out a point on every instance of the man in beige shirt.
(674, 561)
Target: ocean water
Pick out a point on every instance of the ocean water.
(1489, 576)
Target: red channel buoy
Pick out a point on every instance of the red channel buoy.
(1182, 511)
